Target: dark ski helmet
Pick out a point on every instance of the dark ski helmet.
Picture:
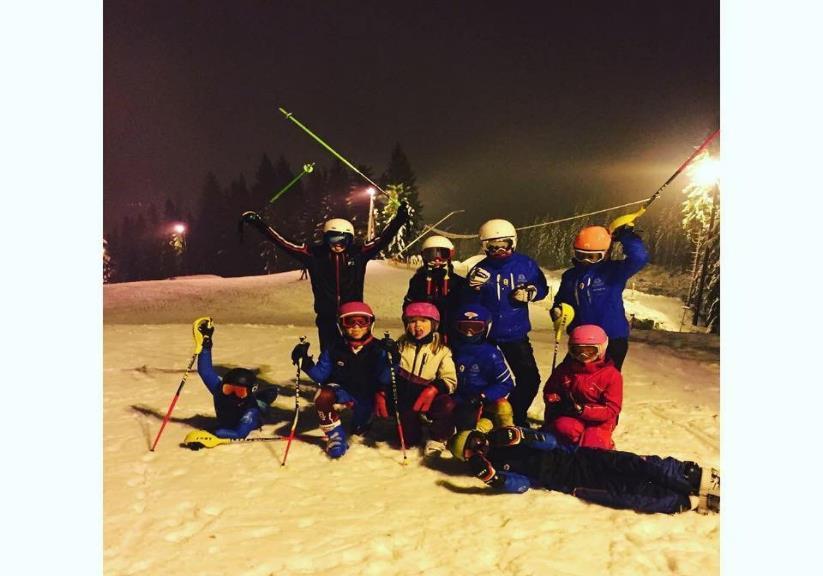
(241, 377)
(472, 322)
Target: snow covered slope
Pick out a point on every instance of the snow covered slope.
(236, 510)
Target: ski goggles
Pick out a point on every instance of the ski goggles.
(498, 245)
(583, 351)
(239, 391)
(335, 238)
(470, 327)
(355, 321)
(436, 254)
(475, 444)
(589, 256)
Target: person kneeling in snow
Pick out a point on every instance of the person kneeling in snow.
(483, 378)
(425, 379)
(513, 459)
(349, 372)
(584, 395)
(238, 403)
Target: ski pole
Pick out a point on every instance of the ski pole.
(396, 401)
(679, 170)
(307, 169)
(198, 439)
(296, 405)
(174, 401)
(290, 116)
(566, 315)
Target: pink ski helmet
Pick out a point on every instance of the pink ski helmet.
(423, 310)
(354, 309)
(590, 335)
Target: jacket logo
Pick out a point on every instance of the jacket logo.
(341, 363)
(521, 278)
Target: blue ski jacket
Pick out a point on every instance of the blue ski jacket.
(595, 291)
(510, 319)
(481, 370)
(235, 417)
(361, 373)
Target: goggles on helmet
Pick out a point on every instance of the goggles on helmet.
(337, 238)
(498, 245)
(590, 257)
(470, 327)
(436, 254)
(355, 321)
(475, 444)
(583, 352)
(239, 391)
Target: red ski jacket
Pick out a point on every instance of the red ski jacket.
(596, 386)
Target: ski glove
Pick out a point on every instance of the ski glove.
(477, 277)
(301, 351)
(424, 401)
(254, 219)
(380, 408)
(391, 348)
(403, 211)
(202, 330)
(524, 293)
(556, 313)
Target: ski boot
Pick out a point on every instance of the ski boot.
(708, 497)
(335, 440)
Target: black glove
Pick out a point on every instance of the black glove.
(568, 406)
(391, 348)
(403, 211)
(254, 219)
(301, 351)
(206, 328)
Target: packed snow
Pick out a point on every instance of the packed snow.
(235, 510)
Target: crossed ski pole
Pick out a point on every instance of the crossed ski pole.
(173, 401)
(396, 402)
(296, 405)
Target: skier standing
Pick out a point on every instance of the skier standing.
(425, 379)
(238, 402)
(583, 396)
(505, 282)
(436, 282)
(337, 265)
(594, 286)
(483, 379)
(514, 459)
(349, 373)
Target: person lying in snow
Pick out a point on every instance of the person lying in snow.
(425, 379)
(583, 396)
(349, 372)
(238, 402)
(483, 378)
(513, 459)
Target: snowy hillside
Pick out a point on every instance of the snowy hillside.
(235, 510)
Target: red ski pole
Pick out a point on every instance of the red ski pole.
(296, 405)
(174, 401)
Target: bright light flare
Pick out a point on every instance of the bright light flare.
(371, 191)
(179, 228)
(706, 172)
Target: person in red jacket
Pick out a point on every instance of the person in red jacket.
(583, 396)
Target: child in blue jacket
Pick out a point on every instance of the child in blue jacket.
(594, 286)
(483, 379)
(505, 282)
(238, 403)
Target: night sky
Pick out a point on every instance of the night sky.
(511, 109)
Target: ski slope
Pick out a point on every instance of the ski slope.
(235, 510)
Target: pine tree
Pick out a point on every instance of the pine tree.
(207, 234)
(401, 179)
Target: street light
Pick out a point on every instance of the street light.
(370, 225)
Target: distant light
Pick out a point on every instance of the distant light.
(706, 172)
(179, 228)
(371, 191)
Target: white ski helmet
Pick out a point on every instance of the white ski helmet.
(498, 229)
(338, 225)
(435, 247)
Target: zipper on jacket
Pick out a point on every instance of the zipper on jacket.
(498, 287)
(337, 276)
